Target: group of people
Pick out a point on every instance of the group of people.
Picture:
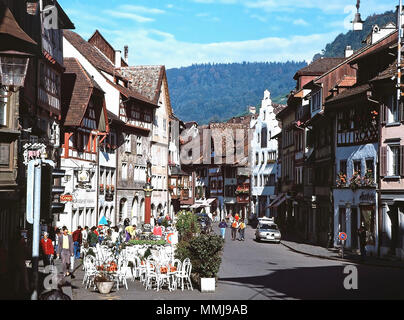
(237, 226)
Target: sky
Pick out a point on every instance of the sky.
(179, 33)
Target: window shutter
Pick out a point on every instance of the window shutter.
(402, 161)
(383, 162)
(383, 114)
(401, 111)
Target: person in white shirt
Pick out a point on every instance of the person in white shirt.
(84, 234)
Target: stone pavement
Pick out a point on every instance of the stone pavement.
(335, 254)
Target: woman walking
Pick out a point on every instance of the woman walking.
(223, 226)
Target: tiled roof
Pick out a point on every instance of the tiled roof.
(278, 107)
(78, 87)
(91, 53)
(145, 80)
(389, 72)
(319, 66)
(349, 93)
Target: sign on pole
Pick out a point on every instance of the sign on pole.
(30, 192)
(342, 236)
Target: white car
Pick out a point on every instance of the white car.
(268, 231)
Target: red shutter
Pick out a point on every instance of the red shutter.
(402, 161)
(383, 161)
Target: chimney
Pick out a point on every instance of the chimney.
(126, 53)
(118, 58)
(348, 51)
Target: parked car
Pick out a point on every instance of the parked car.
(268, 231)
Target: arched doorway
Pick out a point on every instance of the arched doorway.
(159, 210)
(141, 212)
(123, 209)
(135, 211)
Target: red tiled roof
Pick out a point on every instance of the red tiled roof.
(145, 80)
(318, 67)
(78, 87)
(91, 53)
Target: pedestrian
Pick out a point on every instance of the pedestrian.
(92, 237)
(66, 250)
(101, 237)
(223, 226)
(115, 235)
(77, 240)
(84, 235)
(234, 227)
(56, 242)
(47, 249)
(237, 217)
(241, 230)
(362, 240)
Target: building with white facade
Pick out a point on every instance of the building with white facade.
(264, 155)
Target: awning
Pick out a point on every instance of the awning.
(203, 204)
(278, 201)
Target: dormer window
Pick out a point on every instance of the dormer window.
(316, 101)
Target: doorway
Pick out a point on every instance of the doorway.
(354, 228)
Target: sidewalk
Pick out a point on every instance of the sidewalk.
(335, 254)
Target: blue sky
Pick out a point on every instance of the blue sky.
(179, 33)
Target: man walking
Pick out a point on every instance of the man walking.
(362, 240)
(77, 240)
(92, 238)
(241, 230)
(234, 227)
(65, 250)
(84, 235)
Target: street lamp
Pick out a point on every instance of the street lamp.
(357, 22)
(13, 69)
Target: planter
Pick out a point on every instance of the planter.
(208, 284)
(105, 287)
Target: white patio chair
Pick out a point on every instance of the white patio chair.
(184, 276)
(121, 273)
(163, 278)
(173, 274)
(151, 274)
(90, 271)
(140, 269)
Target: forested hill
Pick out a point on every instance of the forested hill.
(217, 92)
(354, 39)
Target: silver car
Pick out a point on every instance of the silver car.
(268, 232)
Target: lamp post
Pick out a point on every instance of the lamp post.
(148, 189)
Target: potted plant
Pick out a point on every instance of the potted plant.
(104, 280)
(355, 182)
(341, 180)
(206, 257)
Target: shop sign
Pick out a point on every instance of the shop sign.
(367, 197)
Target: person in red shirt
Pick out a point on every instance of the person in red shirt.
(77, 240)
(47, 249)
(157, 231)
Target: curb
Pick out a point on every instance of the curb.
(342, 260)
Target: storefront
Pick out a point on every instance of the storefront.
(351, 209)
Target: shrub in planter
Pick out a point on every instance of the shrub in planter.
(187, 225)
(206, 255)
(182, 250)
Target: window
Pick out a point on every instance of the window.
(392, 107)
(394, 160)
(3, 108)
(370, 168)
(255, 181)
(343, 167)
(139, 145)
(257, 158)
(316, 101)
(128, 141)
(357, 167)
(124, 171)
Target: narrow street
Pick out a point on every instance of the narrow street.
(265, 271)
